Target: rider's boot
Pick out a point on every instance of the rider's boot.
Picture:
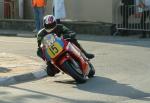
(88, 55)
(51, 70)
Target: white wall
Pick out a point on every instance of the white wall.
(89, 10)
(83, 10)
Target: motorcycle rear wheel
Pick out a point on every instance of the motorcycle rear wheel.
(73, 69)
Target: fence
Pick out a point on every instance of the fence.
(132, 17)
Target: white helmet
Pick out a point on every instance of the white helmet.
(49, 23)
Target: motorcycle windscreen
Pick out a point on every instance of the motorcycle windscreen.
(55, 49)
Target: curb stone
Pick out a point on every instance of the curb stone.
(17, 33)
(12, 63)
(23, 77)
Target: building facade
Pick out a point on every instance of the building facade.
(80, 10)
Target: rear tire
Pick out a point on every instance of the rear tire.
(73, 69)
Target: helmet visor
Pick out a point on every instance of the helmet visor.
(50, 26)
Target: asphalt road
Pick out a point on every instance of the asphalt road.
(122, 73)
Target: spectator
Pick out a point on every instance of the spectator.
(38, 6)
(59, 10)
(126, 11)
(145, 4)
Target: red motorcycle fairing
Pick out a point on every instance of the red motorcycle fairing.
(72, 52)
(63, 59)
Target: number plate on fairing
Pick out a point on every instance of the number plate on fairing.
(54, 49)
(53, 45)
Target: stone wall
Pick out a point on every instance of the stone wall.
(98, 28)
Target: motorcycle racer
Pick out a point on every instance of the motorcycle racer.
(51, 26)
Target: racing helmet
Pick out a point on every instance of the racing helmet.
(49, 22)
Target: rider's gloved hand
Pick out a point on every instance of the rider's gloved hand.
(39, 52)
(71, 35)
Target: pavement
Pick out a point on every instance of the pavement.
(13, 69)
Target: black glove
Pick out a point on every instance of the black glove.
(71, 35)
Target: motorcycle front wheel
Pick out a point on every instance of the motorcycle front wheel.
(92, 70)
(73, 69)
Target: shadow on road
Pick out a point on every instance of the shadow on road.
(108, 86)
(66, 82)
(4, 70)
(41, 96)
(103, 85)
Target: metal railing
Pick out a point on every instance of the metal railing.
(132, 17)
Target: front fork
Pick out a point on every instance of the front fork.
(76, 54)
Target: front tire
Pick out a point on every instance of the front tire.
(73, 69)
(50, 71)
(92, 70)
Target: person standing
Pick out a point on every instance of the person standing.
(38, 7)
(145, 4)
(59, 10)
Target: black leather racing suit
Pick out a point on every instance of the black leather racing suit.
(60, 30)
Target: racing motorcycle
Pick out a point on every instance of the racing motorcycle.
(67, 57)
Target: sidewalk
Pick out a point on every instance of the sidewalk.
(20, 33)
(15, 68)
